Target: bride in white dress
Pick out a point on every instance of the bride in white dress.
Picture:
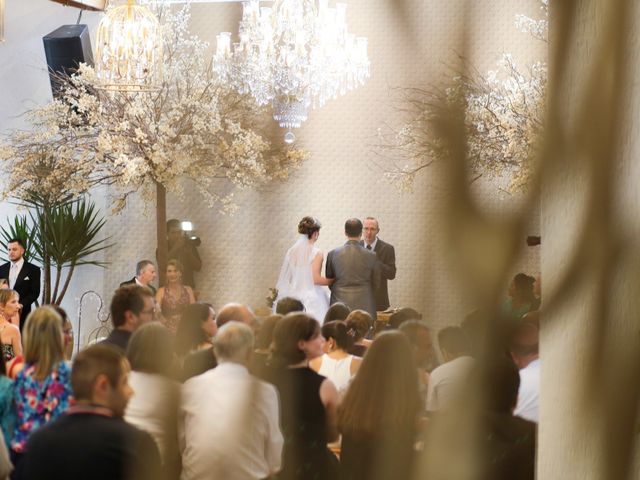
(300, 276)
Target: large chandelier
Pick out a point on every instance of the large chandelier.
(129, 49)
(295, 55)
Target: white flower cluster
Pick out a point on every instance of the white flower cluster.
(503, 116)
(191, 127)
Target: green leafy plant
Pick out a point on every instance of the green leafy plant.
(61, 237)
(20, 229)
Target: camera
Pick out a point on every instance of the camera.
(193, 240)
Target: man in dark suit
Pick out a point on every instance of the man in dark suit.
(355, 271)
(386, 255)
(24, 277)
(145, 274)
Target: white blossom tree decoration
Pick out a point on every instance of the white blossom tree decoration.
(503, 116)
(193, 127)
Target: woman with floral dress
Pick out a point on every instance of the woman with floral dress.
(43, 387)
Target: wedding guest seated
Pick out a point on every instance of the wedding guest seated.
(264, 339)
(230, 420)
(510, 442)
(524, 352)
(288, 305)
(154, 403)
(15, 319)
(10, 338)
(379, 413)
(403, 315)
(7, 412)
(196, 329)
(424, 356)
(446, 381)
(67, 331)
(42, 389)
(308, 401)
(92, 440)
(199, 362)
(174, 296)
(359, 325)
(337, 311)
(336, 363)
(131, 307)
(521, 297)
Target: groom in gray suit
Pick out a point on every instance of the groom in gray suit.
(355, 271)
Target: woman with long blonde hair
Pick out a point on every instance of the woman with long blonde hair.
(9, 333)
(43, 386)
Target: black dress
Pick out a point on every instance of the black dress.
(303, 417)
(387, 457)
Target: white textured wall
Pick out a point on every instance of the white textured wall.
(242, 253)
(410, 43)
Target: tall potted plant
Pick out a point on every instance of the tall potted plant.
(60, 237)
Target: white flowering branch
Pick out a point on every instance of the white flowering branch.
(503, 116)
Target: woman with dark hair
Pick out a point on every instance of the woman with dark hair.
(378, 416)
(300, 275)
(67, 331)
(174, 296)
(336, 363)
(196, 329)
(359, 324)
(521, 298)
(308, 401)
(260, 366)
(337, 311)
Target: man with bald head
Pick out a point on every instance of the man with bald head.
(235, 312)
(199, 362)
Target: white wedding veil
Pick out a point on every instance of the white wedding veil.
(296, 279)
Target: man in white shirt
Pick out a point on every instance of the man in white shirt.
(23, 277)
(450, 377)
(230, 421)
(524, 351)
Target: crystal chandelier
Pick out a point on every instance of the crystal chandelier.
(295, 55)
(129, 49)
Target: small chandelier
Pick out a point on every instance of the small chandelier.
(294, 55)
(129, 49)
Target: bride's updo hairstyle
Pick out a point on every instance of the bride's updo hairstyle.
(286, 336)
(308, 226)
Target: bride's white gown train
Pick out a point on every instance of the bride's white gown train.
(296, 279)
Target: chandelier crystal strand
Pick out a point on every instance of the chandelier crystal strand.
(296, 55)
(129, 49)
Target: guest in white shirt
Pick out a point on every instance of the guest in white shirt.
(448, 379)
(524, 351)
(153, 406)
(229, 420)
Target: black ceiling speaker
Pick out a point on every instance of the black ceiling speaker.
(65, 48)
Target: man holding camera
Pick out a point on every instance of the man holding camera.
(183, 249)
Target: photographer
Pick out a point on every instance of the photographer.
(184, 249)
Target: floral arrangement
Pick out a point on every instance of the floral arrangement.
(192, 127)
(503, 116)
